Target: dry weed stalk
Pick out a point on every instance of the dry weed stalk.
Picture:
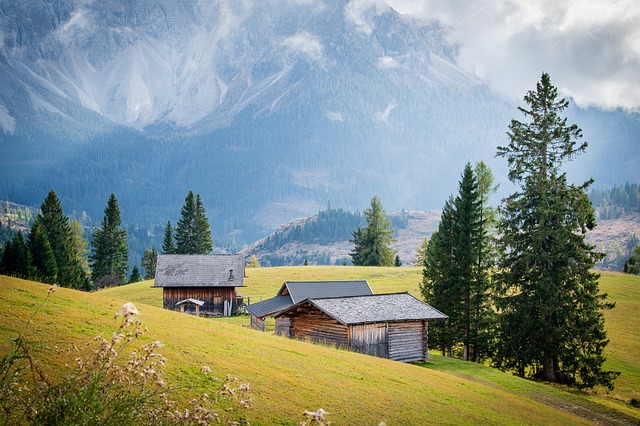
(106, 388)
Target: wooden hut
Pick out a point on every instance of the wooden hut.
(393, 326)
(293, 292)
(206, 281)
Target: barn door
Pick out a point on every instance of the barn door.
(370, 339)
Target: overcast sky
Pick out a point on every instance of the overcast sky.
(591, 48)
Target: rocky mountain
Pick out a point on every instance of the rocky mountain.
(268, 109)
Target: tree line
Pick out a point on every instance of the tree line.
(56, 252)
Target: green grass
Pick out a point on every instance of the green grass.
(289, 376)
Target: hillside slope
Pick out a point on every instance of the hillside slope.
(289, 377)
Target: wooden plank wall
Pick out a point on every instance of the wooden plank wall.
(370, 339)
(283, 327)
(257, 323)
(309, 323)
(408, 341)
(213, 298)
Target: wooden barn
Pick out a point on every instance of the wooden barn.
(293, 292)
(203, 284)
(393, 326)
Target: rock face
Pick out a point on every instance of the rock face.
(269, 109)
(202, 62)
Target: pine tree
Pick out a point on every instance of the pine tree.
(149, 261)
(203, 231)
(455, 279)
(551, 320)
(109, 250)
(632, 265)
(60, 236)
(373, 243)
(43, 262)
(439, 283)
(15, 260)
(135, 275)
(168, 243)
(192, 232)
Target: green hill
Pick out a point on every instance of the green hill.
(288, 377)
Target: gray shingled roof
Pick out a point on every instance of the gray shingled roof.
(375, 308)
(296, 291)
(196, 270)
(269, 306)
(301, 290)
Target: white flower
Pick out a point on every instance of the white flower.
(129, 309)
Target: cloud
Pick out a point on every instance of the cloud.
(308, 45)
(388, 63)
(590, 49)
(356, 12)
(383, 117)
(78, 22)
(334, 116)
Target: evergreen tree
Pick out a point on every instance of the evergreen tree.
(192, 232)
(457, 276)
(135, 275)
(632, 265)
(15, 261)
(373, 243)
(43, 262)
(439, 283)
(551, 322)
(398, 261)
(149, 261)
(60, 236)
(203, 231)
(168, 243)
(109, 251)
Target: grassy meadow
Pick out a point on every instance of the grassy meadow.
(288, 377)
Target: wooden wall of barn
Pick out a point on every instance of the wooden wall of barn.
(408, 341)
(214, 298)
(370, 339)
(309, 323)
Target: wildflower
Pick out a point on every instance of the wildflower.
(129, 309)
(206, 369)
(52, 289)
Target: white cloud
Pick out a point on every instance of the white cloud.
(388, 63)
(308, 45)
(334, 116)
(383, 117)
(78, 22)
(356, 12)
(591, 49)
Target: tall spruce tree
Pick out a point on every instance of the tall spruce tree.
(60, 236)
(372, 244)
(43, 261)
(439, 283)
(455, 279)
(109, 251)
(193, 235)
(169, 242)
(551, 322)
